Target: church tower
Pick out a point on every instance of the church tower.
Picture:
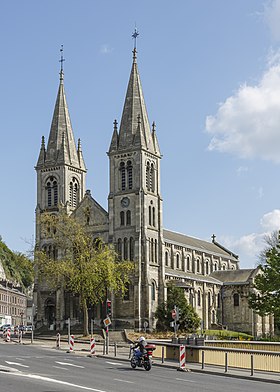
(60, 183)
(135, 207)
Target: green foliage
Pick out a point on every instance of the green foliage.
(266, 300)
(188, 320)
(86, 266)
(225, 334)
(18, 268)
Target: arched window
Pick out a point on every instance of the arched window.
(213, 317)
(125, 249)
(122, 176)
(219, 300)
(129, 175)
(177, 261)
(131, 249)
(51, 192)
(122, 218)
(156, 254)
(166, 258)
(188, 263)
(152, 178)
(128, 217)
(198, 298)
(74, 192)
(150, 215)
(209, 299)
(193, 266)
(153, 291)
(207, 268)
(119, 250)
(152, 249)
(235, 299)
(148, 176)
(215, 267)
(197, 265)
(154, 217)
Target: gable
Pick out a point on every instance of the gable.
(91, 213)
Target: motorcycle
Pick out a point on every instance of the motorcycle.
(145, 359)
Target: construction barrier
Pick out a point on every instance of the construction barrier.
(58, 341)
(182, 357)
(71, 344)
(8, 336)
(92, 346)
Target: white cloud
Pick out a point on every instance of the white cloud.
(247, 123)
(271, 16)
(249, 246)
(105, 49)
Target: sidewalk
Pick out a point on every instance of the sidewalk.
(120, 352)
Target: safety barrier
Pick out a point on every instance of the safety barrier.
(58, 341)
(182, 361)
(8, 336)
(71, 344)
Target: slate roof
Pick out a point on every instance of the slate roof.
(235, 276)
(191, 276)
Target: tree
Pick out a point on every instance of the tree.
(80, 263)
(188, 318)
(267, 298)
(271, 240)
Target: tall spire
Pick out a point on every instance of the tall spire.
(134, 126)
(61, 144)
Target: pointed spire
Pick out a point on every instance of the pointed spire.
(42, 154)
(154, 137)
(61, 135)
(115, 138)
(80, 155)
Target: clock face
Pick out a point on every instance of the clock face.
(125, 202)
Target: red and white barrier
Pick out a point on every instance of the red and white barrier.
(8, 336)
(92, 346)
(71, 344)
(182, 357)
(58, 341)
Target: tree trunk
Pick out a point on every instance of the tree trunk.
(85, 311)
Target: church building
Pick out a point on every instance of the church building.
(133, 224)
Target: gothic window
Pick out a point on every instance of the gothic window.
(166, 258)
(152, 178)
(213, 317)
(235, 299)
(209, 299)
(177, 261)
(183, 264)
(207, 267)
(129, 175)
(193, 266)
(188, 263)
(119, 250)
(74, 192)
(126, 294)
(148, 176)
(154, 217)
(219, 300)
(122, 218)
(198, 298)
(125, 249)
(131, 248)
(156, 255)
(153, 291)
(152, 249)
(128, 218)
(197, 265)
(150, 215)
(215, 267)
(52, 192)
(122, 176)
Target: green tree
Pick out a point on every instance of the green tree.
(266, 300)
(85, 266)
(188, 321)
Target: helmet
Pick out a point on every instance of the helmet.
(141, 339)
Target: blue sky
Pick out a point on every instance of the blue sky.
(210, 72)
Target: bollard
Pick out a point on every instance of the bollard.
(92, 347)
(115, 349)
(104, 346)
(252, 365)
(162, 354)
(202, 360)
(8, 336)
(71, 344)
(58, 341)
(226, 362)
(182, 358)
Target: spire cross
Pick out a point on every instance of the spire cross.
(213, 238)
(134, 36)
(62, 59)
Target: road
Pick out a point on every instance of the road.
(29, 368)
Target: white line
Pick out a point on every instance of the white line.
(113, 363)
(69, 364)
(55, 381)
(129, 382)
(184, 379)
(17, 364)
(59, 367)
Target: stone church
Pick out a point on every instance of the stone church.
(208, 272)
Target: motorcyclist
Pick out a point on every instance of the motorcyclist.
(140, 347)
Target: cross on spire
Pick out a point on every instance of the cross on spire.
(134, 36)
(62, 59)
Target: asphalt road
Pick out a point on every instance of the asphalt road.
(29, 368)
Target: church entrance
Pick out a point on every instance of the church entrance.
(50, 312)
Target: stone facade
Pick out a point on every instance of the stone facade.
(133, 224)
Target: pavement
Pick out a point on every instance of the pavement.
(120, 352)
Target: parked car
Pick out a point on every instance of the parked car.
(4, 327)
(28, 328)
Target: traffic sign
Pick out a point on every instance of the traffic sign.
(107, 321)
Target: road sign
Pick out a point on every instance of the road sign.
(107, 321)
(173, 314)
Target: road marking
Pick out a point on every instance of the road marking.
(17, 364)
(184, 379)
(69, 364)
(113, 363)
(59, 367)
(34, 376)
(129, 382)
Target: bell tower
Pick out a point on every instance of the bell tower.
(135, 205)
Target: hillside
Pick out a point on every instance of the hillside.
(17, 267)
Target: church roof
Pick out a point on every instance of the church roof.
(134, 127)
(61, 148)
(235, 276)
(197, 244)
(192, 276)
